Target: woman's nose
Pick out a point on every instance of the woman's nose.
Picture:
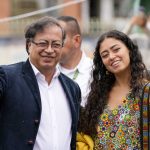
(111, 56)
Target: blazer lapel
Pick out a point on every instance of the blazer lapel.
(70, 98)
(30, 78)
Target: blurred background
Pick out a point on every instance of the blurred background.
(94, 16)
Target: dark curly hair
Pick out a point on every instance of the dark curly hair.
(102, 82)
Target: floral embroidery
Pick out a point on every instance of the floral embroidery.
(119, 128)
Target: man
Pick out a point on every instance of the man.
(39, 106)
(74, 63)
(138, 31)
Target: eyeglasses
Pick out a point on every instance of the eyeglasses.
(45, 44)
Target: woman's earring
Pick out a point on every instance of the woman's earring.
(107, 72)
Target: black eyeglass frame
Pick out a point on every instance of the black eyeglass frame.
(45, 44)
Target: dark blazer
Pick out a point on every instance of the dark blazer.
(20, 106)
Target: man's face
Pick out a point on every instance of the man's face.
(45, 48)
(68, 48)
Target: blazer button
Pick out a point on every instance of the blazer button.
(30, 142)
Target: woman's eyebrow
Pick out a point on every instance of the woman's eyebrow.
(113, 46)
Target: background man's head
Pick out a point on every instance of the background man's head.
(73, 39)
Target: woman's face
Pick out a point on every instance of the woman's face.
(115, 55)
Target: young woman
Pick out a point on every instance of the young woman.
(112, 113)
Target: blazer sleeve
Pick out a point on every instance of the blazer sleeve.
(3, 83)
(78, 98)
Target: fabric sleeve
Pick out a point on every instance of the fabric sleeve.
(2, 83)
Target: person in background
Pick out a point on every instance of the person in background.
(30, 107)
(74, 63)
(138, 30)
(112, 115)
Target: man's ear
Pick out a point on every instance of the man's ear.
(29, 45)
(77, 40)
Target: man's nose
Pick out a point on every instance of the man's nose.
(49, 49)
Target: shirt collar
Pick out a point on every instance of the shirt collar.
(81, 64)
(37, 72)
(80, 67)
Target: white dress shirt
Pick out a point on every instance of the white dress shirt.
(55, 125)
(81, 74)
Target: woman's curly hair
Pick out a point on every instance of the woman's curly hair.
(103, 82)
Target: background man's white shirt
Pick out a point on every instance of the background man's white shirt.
(83, 77)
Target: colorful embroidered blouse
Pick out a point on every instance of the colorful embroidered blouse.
(119, 129)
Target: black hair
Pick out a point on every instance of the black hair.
(72, 24)
(103, 82)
